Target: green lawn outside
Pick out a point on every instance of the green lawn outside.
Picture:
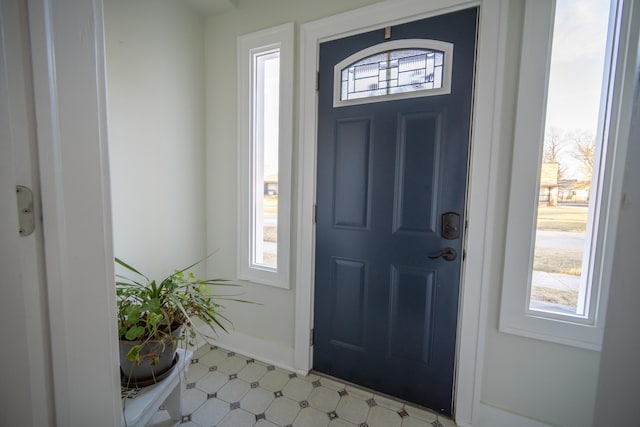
(562, 218)
(556, 260)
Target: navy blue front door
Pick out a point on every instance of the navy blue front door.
(385, 313)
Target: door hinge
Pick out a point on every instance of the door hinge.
(311, 337)
(26, 218)
(315, 214)
(387, 33)
(317, 81)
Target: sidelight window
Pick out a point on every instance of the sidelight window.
(570, 136)
(265, 70)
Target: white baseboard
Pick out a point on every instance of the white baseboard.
(490, 416)
(257, 348)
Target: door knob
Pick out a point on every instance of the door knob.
(448, 254)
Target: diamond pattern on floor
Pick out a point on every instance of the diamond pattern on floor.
(227, 389)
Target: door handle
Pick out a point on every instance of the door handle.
(448, 254)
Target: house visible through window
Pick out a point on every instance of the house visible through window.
(564, 193)
(265, 99)
(266, 109)
(573, 141)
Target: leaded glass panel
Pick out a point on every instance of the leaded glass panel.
(393, 72)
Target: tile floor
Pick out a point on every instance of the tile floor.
(225, 389)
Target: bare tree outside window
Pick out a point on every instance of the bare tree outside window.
(554, 146)
(557, 284)
(584, 149)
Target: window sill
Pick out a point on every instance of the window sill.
(557, 331)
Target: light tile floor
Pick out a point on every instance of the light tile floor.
(225, 389)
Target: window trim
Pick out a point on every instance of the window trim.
(249, 45)
(515, 316)
(438, 45)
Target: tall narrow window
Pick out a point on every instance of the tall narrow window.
(573, 142)
(266, 102)
(569, 142)
(265, 69)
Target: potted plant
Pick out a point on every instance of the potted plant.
(154, 316)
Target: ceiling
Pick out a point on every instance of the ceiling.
(211, 7)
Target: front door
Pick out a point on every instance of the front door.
(393, 144)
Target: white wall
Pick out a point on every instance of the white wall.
(553, 383)
(155, 76)
(272, 322)
(618, 396)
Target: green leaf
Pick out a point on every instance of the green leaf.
(155, 318)
(134, 333)
(198, 262)
(128, 267)
(154, 304)
(134, 354)
(133, 314)
(154, 288)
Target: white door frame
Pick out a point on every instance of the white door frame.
(68, 55)
(482, 176)
(26, 375)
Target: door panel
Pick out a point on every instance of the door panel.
(417, 161)
(349, 277)
(351, 179)
(385, 313)
(410, 315)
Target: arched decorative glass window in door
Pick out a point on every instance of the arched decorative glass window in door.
(394, 70)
